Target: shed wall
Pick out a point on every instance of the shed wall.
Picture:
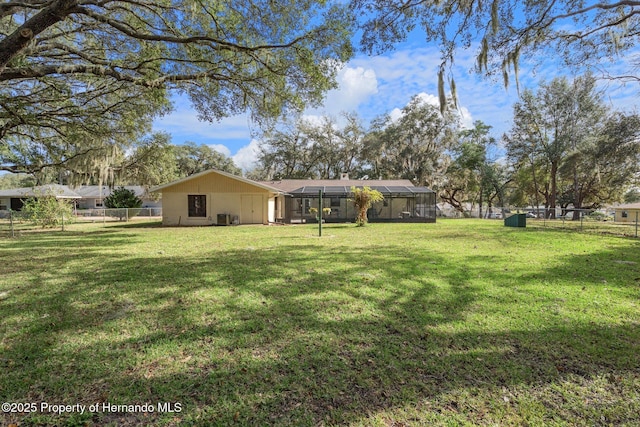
(245, 208)
(631, 215)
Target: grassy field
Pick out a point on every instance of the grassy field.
(462, 322)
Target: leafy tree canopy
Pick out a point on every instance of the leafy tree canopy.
(192, 158)
(80, 79)
(10, 180)
(580, 33)
(576, 150)
(311, 149)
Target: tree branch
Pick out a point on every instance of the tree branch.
(15, 42)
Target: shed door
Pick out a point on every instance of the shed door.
(251, 210)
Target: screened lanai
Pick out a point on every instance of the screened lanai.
(402, 203)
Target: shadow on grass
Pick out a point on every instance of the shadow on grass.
(138, 223)
(295, 336)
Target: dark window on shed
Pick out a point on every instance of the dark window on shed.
(335, 202)
(625, 214)
(198, 205)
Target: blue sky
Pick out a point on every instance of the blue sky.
(376, 85)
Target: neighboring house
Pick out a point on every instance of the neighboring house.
(216, 198)
(627, 213)
(14, 198)
(86, 196)
(93, 196)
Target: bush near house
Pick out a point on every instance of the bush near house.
(47, 211)
(123, 198)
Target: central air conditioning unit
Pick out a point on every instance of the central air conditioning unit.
(224, 219)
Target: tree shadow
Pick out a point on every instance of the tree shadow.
(288, 336)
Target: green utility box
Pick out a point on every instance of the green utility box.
(516, 220)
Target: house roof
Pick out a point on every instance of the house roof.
(289, 185)
(97, 191)
(66, 192)
(629, 206)
(60, 191)
(329, 187)
(159, 188)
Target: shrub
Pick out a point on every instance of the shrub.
(122, 198)
(47, 211)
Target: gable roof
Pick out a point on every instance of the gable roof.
(60, 191)
(159, 188)
(97, 191)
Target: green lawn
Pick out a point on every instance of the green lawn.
(462, 322)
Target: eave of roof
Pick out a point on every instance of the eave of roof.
(629, 206)
(343, 190)
(159, 188)
(60, 191)
(288, 185)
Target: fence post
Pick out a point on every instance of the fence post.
(126, 214)
(636, 223)
(13, 233)
(319, 213)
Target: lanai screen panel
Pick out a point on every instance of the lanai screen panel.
(400, 204)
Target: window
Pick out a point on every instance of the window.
(625, 214)
(335, 202)
(99, 203)
(197, 205)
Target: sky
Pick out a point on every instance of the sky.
(376, 85)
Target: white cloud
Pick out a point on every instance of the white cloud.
(247, 156)
(466, 118)
(355, 86)
(220, 148)
(429, 99)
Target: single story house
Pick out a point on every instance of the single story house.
(92, 196)
(85, 196)
(627, 213)
(219, 198)
(13, 199)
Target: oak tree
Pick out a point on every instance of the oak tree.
(82, 78)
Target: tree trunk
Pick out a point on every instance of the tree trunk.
(15, 42)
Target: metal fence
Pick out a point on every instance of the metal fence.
(13, 223)
(116, 214)
(602, 221)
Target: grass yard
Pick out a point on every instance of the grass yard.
(463, 322)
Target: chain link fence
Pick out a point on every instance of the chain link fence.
(606, 221)
(12, 223)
